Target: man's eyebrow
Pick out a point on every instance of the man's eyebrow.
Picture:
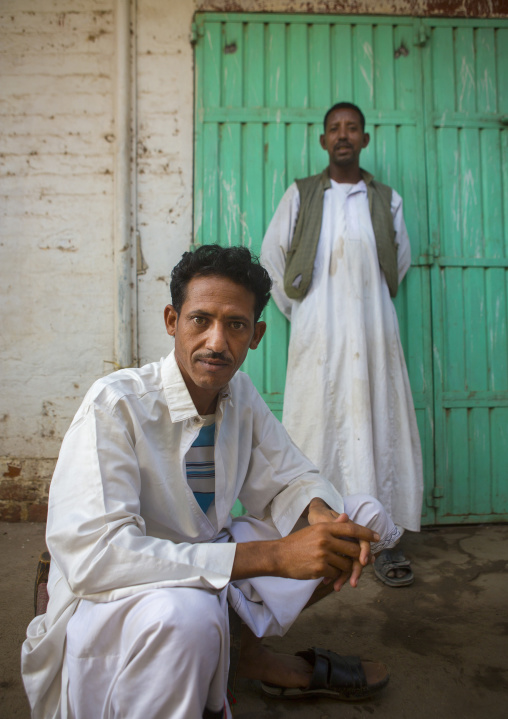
(204, 313)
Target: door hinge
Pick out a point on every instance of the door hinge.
(435, 496)
(196, 32)
(421, 34)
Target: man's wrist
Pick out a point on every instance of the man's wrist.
(256, 559)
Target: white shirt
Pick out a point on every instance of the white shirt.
(122, 518)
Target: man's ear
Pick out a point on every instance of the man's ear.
(170, 319)
(322, 141)
(366, 139)
(259, 331)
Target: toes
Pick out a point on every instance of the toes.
(375, 672)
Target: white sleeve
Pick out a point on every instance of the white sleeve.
(401, 236)
(277, 242)
(281, 480)
(96, 533)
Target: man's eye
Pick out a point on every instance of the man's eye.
(237, 325)
(199, 320)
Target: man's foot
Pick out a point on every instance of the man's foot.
(393, 569)
(259, 662)
(287, 670)
(334, 677)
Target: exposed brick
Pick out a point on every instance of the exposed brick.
(37, 512)
(16, 491)
(10, 512)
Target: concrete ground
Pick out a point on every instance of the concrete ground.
(445, 639)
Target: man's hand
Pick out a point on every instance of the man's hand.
(319, 511)
(333, 547)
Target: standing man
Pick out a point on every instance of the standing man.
(145, 554)
(337, 249)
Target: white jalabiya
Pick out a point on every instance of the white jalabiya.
(123, 520)
(164, 653)
(348, 402)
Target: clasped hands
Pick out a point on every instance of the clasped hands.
(332, 547)
(342, 550)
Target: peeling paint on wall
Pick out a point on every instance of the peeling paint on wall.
(414, 8)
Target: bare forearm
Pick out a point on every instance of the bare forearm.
(321, 550)
(255, 559)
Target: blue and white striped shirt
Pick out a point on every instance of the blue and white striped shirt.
(200, 464)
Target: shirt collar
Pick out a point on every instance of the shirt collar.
(180, 404)
(360, 186)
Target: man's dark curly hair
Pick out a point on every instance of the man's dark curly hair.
(235, 263)
(345, 106)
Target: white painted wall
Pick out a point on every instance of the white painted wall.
(57, 142)
(56, 183)
(165, 97)
(57, 199)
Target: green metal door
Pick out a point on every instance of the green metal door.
(263, 83)
(466, 100)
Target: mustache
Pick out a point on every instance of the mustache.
(342, 144)
(220, 356)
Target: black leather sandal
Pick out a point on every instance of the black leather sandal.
(334, 677)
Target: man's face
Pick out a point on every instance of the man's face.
(344, 138)
(213, 333)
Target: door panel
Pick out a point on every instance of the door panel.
(263, 83)
(466, 132)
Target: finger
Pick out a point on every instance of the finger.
(365, 553)
(321, 516)
(356, 574)
(338, 562)
(350, 529)
(345, 546)
(340, 581)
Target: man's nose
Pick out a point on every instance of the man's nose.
(216, 340)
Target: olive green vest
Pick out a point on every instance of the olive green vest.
(301, 256)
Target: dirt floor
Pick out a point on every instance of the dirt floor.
(445, 639)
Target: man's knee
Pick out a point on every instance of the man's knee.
(192, 616)
(369, 512)
(363, 508)
(159, 616)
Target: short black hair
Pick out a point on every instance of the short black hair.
(345, 106)
(236, 263)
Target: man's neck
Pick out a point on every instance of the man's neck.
(350, 174)
(205, 405)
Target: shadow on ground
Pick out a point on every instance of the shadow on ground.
(444, 639)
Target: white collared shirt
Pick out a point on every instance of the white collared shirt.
(122, 517)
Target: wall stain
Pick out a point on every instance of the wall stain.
(12, 471)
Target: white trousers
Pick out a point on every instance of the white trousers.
(164, 654)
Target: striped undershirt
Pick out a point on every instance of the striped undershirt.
(200, 464)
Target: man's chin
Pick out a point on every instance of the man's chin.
(213, 378)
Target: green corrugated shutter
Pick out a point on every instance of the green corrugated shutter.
(467, 155)
(263, 83)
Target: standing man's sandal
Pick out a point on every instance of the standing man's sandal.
(390, 563)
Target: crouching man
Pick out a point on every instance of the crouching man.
(145, 554)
